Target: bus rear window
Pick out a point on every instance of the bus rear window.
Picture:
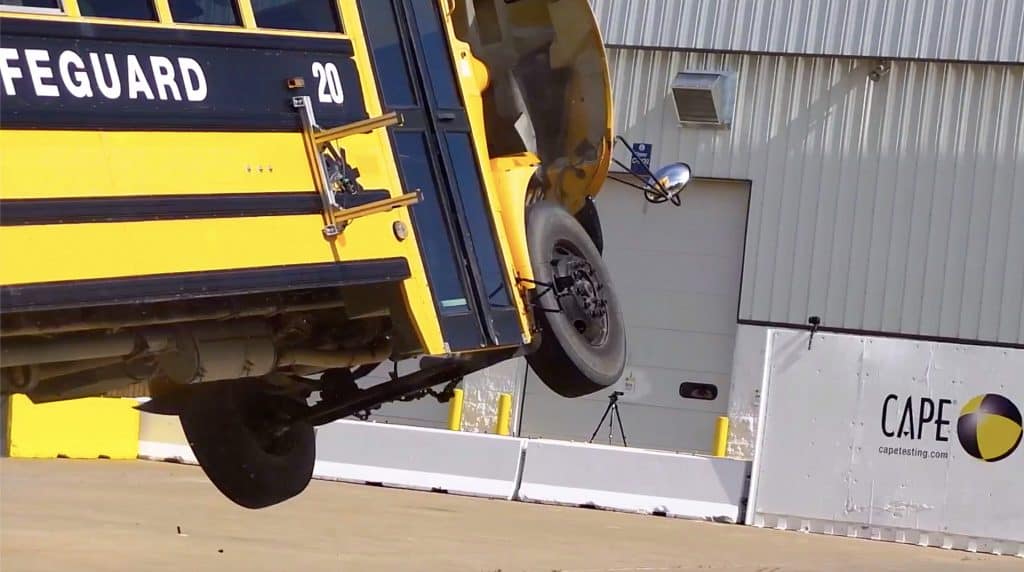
(309, 15)
(220, 12)
(128, 9)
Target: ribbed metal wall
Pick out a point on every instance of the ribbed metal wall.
(969, 30)
(895, 206)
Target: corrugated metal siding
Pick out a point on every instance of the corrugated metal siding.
(895, 206)
(968, 30)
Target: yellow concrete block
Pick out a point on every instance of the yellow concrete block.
(78, 429)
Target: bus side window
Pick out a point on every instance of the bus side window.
(31, 5)
(310, 15)
(221, 12)
(130, 9)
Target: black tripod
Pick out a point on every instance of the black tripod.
(613, 404)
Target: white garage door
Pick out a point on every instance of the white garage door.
(677, 271)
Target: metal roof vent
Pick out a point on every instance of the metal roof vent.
(705, 98)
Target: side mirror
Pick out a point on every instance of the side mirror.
(661, 187)
(672, 179)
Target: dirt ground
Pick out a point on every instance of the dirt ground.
(126, 516)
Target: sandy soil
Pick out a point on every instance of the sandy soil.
(126, 516)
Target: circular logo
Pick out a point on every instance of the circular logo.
(989, 427)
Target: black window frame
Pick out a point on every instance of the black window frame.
(339, 24)
(152, 8)
(236, 11)
(18, 9)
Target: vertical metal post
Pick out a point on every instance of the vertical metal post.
(455, 410)
(504, 414)
(721, 437)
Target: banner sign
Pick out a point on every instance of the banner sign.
(894, 436)
(640, 160)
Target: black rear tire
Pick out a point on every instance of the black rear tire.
(582, 348)
(245, 444)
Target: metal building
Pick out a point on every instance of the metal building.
(860, 162)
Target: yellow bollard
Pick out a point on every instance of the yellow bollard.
(721, 437)
(504, 414)
(455, 410)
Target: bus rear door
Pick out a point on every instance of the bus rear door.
(435, 154)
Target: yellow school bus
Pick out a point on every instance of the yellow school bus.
(246, 205)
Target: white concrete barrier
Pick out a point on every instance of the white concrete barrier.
(635, 480)
(161, 439)
(391, 455)
(419, 458)
(556, 472)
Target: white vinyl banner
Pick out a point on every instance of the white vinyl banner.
(901, 440)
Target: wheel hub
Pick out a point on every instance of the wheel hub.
(580, 292)
(586, 289)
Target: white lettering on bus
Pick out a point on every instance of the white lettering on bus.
(38, 68)
(137, 82)
(110, 90)
(163, 75)
(76, 82)
(330, 89)
(9, 72)
(194, 79)
(150, 78)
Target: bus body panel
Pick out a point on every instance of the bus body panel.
(98, 155)
(137, 149)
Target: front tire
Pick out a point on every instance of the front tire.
(582, 347)
(246, 444)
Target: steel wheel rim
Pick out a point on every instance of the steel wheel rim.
(579, 289)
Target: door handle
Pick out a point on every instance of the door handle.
(446, 116)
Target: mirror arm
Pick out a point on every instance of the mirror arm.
(660, 188)
(651, 193)
(646, 189)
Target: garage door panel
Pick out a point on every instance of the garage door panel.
(712, 220)
(662, 309)
(660, 386)
(707, 238)
(684, 350)
(633, 269)
(650, 386)
(677, 272)
(654, 427)
(707, 205)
